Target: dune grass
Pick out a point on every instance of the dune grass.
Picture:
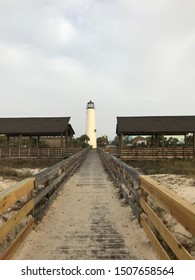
(167, 166)
(12, 168)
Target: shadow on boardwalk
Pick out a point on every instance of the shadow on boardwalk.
(88, 221)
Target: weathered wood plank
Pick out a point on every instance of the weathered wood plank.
(15, 220)
(182, 210)
(173, 243)
(9, 196)
(159, 249)
(48, 188)
(7, 255)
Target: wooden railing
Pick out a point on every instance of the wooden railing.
(156, 153)
(178, 208)
(125, 178)
(147, 153)
(38, 152)
(17, 223)
(112, 150)
(25, 203)
(141, 192)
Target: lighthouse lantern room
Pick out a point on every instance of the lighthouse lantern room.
(91, 124)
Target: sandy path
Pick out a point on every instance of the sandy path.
(88, 221)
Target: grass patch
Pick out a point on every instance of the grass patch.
(10, 168)
(27, 163)
(166, 166)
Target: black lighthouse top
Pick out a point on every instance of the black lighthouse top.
(90, 105)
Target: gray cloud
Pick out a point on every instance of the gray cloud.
(129, 57)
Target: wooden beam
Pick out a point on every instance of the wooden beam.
(15, 220)
(38, 141)
(173, 243)
(158, 247)
(9, 196)
(7, 255)
(120, 144)
(61, 141)
(182, 210)
(8, 141)
(30, 142)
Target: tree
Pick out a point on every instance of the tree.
(81, 141)
(115, 142)
(102, 141)
(189, 140)
(171, 141)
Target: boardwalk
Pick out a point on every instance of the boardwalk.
(88, 220)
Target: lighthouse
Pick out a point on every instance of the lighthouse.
(91, 124)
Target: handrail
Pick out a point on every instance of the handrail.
(23, 204)
(143, 190)
(151, 153)
(125, 178)
(176, 206)
(51, 152)
(11, 228)
(48, 182)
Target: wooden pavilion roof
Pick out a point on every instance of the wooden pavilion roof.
(36, 126)
(155, 125)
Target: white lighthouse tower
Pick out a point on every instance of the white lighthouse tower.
(91, 124)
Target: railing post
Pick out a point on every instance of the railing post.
(30, 196)
(10, 152)
(183, 152)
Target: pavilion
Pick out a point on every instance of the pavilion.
(156, 127)
(56, 127)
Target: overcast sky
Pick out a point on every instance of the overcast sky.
(130, 57)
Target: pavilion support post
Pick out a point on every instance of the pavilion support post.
(120, 144)
(163, 145)
(8, 138)
(152, 140)
(156, 141)
(163, 141)
(38, 141)
(30, 142)
(61, 141)
(20, 141)
(66, 138)
(194, 139)
(185, 139)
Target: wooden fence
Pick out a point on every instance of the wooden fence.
(178, 208)
(139, 190)
(125, 178)
(25, 203)
(146, 153)
(38, 152)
